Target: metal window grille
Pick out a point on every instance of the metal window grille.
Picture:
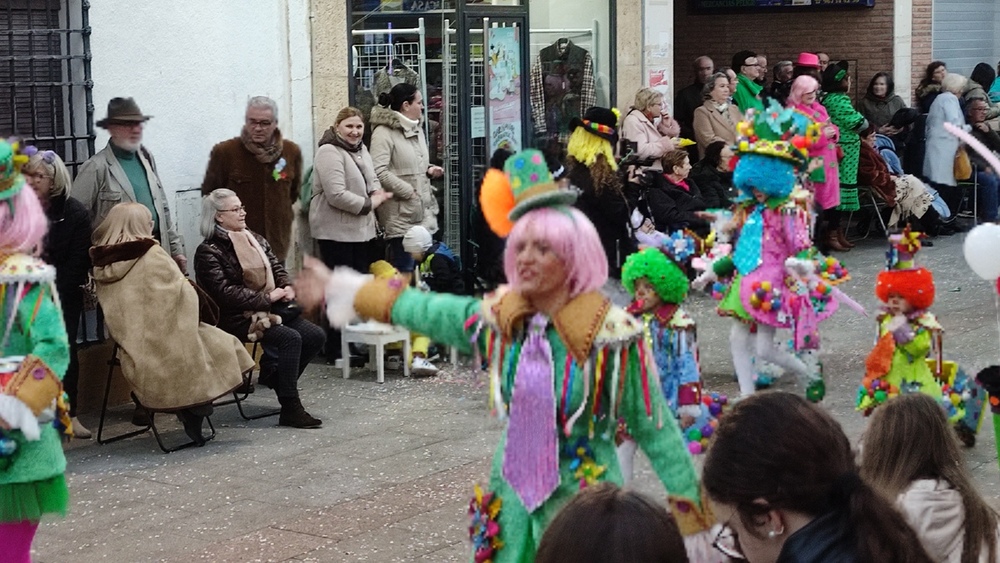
(46, 91)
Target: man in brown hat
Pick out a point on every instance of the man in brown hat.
(126, 172)
(264, 170)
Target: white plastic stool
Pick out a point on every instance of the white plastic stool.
(376, 336)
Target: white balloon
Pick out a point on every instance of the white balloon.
(982, 251)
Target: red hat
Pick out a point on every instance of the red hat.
(810, 60)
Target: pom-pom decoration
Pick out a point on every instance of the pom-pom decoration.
(485, 529)
(496, 199)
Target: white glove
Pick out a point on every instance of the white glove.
(343, 285)
(799, 267)
(18, 416)
(705, 278)
(694, 411)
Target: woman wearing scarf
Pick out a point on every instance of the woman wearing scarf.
(236, 267)
(716, 119)
(346, 193)
(173, 361)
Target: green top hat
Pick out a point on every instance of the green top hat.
(532, 183)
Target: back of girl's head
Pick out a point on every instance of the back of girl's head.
(776, 451)
(573, 238)
(393, 99)
(606, 524)
(23, 223)
(909, 438)
(984, 75)
(125, 222)
(801, 86)
(713, 153)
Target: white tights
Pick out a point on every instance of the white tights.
(763, 347)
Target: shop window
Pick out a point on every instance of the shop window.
(45, 88)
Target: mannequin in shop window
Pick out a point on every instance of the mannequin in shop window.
(562, 89)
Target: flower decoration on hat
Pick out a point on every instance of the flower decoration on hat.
(774, 132)
(13, 156)
(902, 276)
(525, 184)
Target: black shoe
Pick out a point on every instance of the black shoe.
(268, 376)
(294, 414)
(192, 425)
(247, 387)
(141, 417)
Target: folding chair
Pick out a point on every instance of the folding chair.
(866, 194)
(114, 361)
(970, 191)
(242, 393)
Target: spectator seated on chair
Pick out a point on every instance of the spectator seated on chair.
(420, 345)
(237, 269)
(986, 177)
(172, 360)
(905, 194)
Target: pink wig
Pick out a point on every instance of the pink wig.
(574, 240)
(23, 223)
(802, 86)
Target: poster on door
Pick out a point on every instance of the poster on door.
(504, 83)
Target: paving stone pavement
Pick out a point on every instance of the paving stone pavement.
(389, 476)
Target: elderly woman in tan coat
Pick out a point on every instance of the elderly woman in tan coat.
(650, 127)
(399, 153)
(346, 193)
(173, 362)
(716, 119)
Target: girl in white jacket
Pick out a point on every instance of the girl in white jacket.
(911, 454)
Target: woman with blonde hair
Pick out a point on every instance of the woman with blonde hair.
(649, 126)
(911, 455)
(173, 361)
(65, 248)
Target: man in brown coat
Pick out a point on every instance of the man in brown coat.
(264, 170)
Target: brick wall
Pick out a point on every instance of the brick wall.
(921, 43)
(861, 36)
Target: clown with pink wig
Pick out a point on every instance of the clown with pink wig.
(34, 354)
(564, 363)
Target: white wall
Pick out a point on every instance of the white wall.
(192, 65)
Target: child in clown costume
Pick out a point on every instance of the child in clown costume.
(775, 284)
(35, 354)
(898, 363)
(564, 363)
(659, 286)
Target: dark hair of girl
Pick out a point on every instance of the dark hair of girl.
(393, 99)
(890, 86)
(611, 525)
(777, 451)
(929, 73)
(713, 154)
(909, 438)
(984, 75)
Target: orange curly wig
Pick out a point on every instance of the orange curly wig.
(916, 286)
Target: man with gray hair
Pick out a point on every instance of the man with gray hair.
(264, 170)
(782, 85)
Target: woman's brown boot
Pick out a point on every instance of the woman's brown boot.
(842, 238)
(833, 242)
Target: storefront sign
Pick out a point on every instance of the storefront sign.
(752, 4)
(504, 83)
(421, 5)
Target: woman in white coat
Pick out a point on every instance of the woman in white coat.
(939, 158)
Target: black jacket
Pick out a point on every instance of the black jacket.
(716, 186)
(686, 101)
(827, 539)
(219, 273)
(672, 207)
(443, 270)
(67, 247)
(992, 142)
(609, 212)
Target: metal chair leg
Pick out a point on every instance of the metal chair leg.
(183, 446)
(104, 407)
(878, 213)
(239, 398)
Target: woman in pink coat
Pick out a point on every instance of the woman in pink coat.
(824, 180)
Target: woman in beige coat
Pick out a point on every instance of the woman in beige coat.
(173, 361)
(399, 153)
(716, 119)
(346, 193)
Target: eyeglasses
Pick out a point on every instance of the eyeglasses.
(728, 543)
(240, 209)
(263, 124)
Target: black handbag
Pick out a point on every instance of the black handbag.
(287, 310)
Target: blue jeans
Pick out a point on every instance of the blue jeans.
(989, 201)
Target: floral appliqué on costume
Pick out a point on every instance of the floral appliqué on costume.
(485, 530)
(585, 469)
(279, 170)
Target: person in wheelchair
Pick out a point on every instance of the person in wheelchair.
(173, 360)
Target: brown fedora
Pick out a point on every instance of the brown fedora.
(123, 110)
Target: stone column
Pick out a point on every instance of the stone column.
(628, 48)
(330, 74)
